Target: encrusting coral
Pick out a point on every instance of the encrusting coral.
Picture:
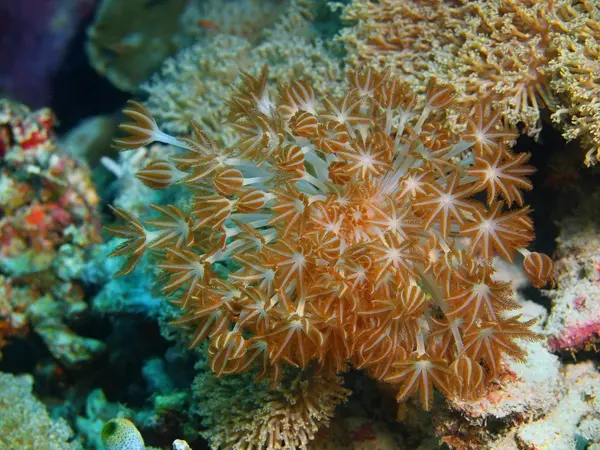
(352, 231)
(522, 55)
(48, 222)
(574, 321)
(24, 422)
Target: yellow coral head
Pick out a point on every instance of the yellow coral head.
(121, 434)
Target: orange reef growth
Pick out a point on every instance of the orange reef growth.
(353, 230)
(48, 221)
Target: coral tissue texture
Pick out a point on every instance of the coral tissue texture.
(525, 55)
(48, 221)
(24, 422)
(338, 231)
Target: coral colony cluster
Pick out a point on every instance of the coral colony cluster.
(343, 231)
(326, 201)
(48, 219)
(525, 55)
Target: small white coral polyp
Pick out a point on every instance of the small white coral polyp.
(351, 231)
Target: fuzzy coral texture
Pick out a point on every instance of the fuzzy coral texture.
(573, 423)
(196, 82)
(241, 415)
(350, 231)
(24, 421)
(567, 418)
(524, 55)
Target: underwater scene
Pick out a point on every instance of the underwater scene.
(299, 224)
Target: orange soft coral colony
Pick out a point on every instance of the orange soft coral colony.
(357, 231)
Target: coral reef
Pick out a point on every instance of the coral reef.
(251, 18)
(48, 222)
(322, 251)
(568, 420)
(573, 423)
(523, 391)
(353, 235)
(128, 295)
(574, 322)
(524, 388)
(523, 55)
(128, 41)
(24, 421)
(240, 414)
(575, 77)
(196, 83)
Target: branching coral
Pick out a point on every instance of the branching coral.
(523, 55)
(352, 232)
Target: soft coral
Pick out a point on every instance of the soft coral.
(347, 220)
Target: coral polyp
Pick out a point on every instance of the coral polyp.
(343, 231)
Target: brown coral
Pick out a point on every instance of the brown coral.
(256, 417)
(354, 233)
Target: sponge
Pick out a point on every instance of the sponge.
(121, 434)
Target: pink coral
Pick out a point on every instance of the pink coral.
(577, 336)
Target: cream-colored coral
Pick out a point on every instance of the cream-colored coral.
(241, 415)
(525, 55)
(24, 422)
(196, 82)
(569, 423)
(484, 48)
(576, 77)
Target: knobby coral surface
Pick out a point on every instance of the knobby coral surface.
(48, 221)
(523, 55)
(24, 422)
(352, 229)
(574, 322)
